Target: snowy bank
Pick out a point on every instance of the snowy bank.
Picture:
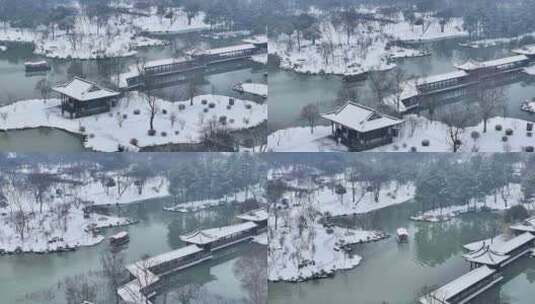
(127, 124)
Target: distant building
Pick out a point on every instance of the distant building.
(361, 128)
(81, 97)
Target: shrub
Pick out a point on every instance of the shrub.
(204, 102)
(504, 138)
(205, 110)
(248, 106)
(91, 135)
(181, 107)
(137, 112)
(498, 127)
(413, 149)
(133, 141)
(425, 143)
(223, 120)
(229, 107)
(529, 134)
(509, 132)
(211, 105)
(395, 147)
(125, 116)
(475, 135)
(404, 145)
(529, 126)
(151, 132)
(529, 149)
(177, 132)
(81, 129)
(163, 134)
(231, 101)
(231, 121)
(164, 111)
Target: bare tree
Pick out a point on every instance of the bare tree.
(311, 114)
(457, 117)
(79, 289)
(112, 267)
(251, 269)
(490, 101)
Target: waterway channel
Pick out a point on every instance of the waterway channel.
(398, 273)
(25, 278)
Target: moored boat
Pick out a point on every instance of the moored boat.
(36, 66)
(403, 235)
(119, 239)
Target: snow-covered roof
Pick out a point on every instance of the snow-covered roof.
(530, 70)
(207, 236)
(130, 293)
(361, 118)
(486, 256)
(527, 225)
(256, 215)
(525, 50)
(494, 251)
(256, 39)
(461, 283)
(402, 231)
(84, 90)
(473, 64)
(441, 77)
(165, 61)
(163, 258)
(233, 48)
(119, 235)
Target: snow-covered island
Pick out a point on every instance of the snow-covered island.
(104, 36)
(126, 125)
(54, 213)
(353, 42)
(304, 243)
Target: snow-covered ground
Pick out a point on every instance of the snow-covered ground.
(300, 139)
(390, 194)
(366, 49)
(121, 127)
(418, 129)
(255, 192)
(484, 43)
(505, 198)
(157, 24)
(125, 193)
(3, 48)
(413, 132)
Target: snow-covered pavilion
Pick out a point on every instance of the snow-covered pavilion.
(81, 97)
(361, 128)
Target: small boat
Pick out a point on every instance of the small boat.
(36, 66)
(119, 239)
(403, 235)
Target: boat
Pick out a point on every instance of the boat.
(403, 235)
(119, 239)
(36, 66)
